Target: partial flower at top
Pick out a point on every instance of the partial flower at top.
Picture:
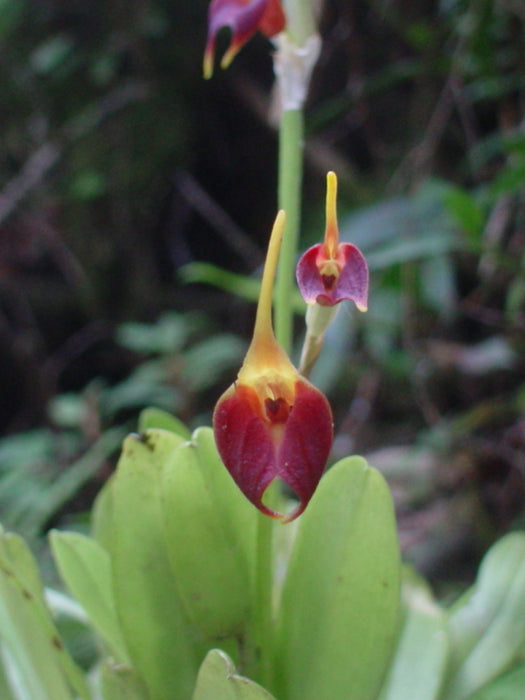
(331, 272)
(272, 423)
(244, 18)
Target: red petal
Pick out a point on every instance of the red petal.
(273, 20)
(308, 278)
(306, 444)
(352, 283)
(245, 443)
(244, 19)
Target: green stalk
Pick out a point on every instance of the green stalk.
(291, 140)
(263, 625)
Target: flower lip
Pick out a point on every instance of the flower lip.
(331, 272)
(244, 18)
(277, 410)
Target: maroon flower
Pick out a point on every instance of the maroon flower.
(244, 18)
(272, 423)
(330, 272)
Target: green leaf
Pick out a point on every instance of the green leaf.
(511, 179)
(241, 286)
(206, 361)
(157, 418)
(399, 229)
(210, 530)
(52, 54)
(6, 692)
(146, 595)
(121, 683)
(88, 184)
(486, 627)
(217, 680)
(167, 335)
(340, 600)
(67, 484)
(418, 668)
(147, 385)
(11, 14)
(86, 569)
(438, 285)
(507, 687)
(37, 665)
(102, 516)
(466, 210)
(402, 251)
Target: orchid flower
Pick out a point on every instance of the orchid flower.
(272, 423)
(331, 272)
(244, 18)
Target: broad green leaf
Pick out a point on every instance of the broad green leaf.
(217, 680)
(86, 569)
(478, 607)
(510, 686)
(6, 692)
(418, 668)
(120, 682)
(102, 516)
(487, 629)
(210, 530)
(340, 601)
(146, 596)
(157, 418)
(73, 625)
(37, 665)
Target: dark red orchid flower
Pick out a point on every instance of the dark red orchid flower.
(272, 423)
(244, 18)
(331, 272)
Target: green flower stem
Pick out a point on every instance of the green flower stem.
(263, 624)
(300, 19)
(291, 144)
